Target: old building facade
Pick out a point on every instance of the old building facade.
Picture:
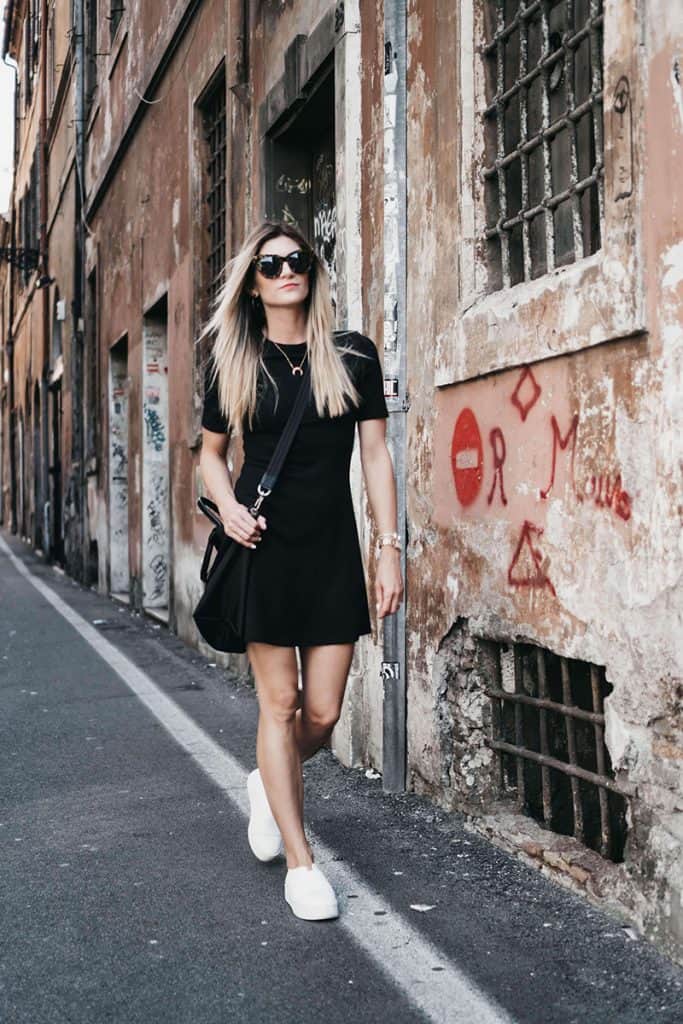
(493, 185)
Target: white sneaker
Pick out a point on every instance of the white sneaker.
(309, 894)
(263, 833)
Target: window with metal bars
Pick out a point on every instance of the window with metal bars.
(214, 130)
(548, 729)
(116, 12)
(35, 25)
(91, 51)
(28, 60)
(543, 135)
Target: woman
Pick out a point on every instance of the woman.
(307, 586)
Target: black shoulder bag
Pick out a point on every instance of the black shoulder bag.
(221, 611)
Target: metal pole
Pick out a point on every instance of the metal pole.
(41, 456)
(77, 481)
(394, 749)
(10, 324)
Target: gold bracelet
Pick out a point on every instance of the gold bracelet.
(391, 539)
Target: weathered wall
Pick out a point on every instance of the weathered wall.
(32, 347)
(143, 238)
(545, 499)
(5, 493)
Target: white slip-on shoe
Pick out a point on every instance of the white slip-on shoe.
(263, 832)
(309, 894)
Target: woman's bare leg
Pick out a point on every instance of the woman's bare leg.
(325, 670)
(277, 753)
(285, 735)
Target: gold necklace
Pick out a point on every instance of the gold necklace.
(296, 370)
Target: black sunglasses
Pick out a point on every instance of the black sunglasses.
(271, 265)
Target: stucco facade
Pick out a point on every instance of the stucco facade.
(565, 530)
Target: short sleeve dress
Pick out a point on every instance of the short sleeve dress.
(306, 581)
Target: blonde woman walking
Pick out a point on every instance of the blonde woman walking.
(307, 587)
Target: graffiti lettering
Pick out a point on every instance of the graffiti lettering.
(622, 135)
(498, 449)
(562, 443)
(325, 233)
(159, 573)
(156, 435)
(528, 567)
(300, 186)
(526, 393)
(607, 493)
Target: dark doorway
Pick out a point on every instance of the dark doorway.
(118, 471)
(55, 475)
(301, 171)
(39, 500)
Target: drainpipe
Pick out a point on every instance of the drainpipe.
(394, 746)
(10, 324)
(43, 264)
(77, 475)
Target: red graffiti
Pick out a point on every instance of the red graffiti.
(467, 458)
(607, 493)
(527, 400)
(562, 443)
(527, 568)
(497, 441)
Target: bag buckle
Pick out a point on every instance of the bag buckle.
(262, 493)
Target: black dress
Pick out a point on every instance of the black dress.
(306, 584)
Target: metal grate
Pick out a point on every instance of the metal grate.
(548, 729)
(213, 113)
(543, 135)
(116, 11)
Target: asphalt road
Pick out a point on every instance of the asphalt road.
(128, 892)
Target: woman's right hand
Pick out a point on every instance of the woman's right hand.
(239, 523)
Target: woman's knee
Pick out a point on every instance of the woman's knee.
(322, 718)
(276, 676)
(280, 706)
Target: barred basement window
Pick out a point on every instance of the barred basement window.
(543, 135)
(548, 729)
(214, 126)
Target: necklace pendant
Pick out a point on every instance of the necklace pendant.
(297, 371)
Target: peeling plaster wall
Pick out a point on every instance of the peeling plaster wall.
(27, 326)
(372, 303)
(143, 236)
(545, 499)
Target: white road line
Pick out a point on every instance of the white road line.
(445, 996)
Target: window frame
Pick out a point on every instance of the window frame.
(597, 298)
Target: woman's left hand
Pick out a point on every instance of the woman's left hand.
(388, 581)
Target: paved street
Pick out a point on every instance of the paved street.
(129, 892)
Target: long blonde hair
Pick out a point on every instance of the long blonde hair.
(237, 322)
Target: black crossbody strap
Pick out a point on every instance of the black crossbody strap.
(269, 478)
(267, 482)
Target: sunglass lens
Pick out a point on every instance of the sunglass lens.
(299, 261)
(270, 266)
